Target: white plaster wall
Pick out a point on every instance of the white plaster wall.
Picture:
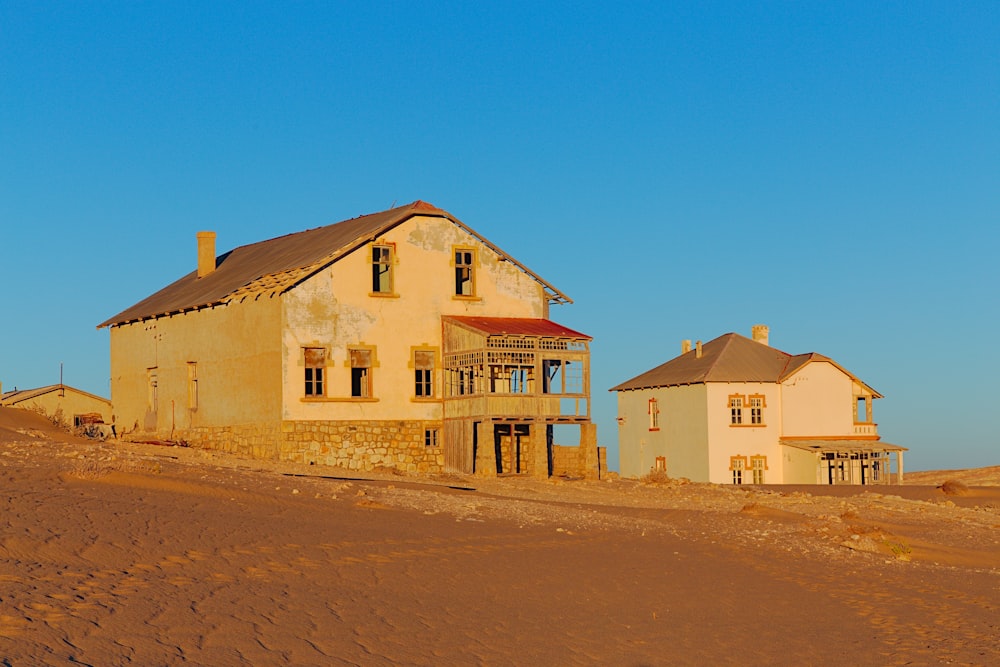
(800, 467)
(817, 400)
(682, 437)
(334, 309)
(747, 440)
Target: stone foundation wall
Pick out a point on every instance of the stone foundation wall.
(363, 445)
(355, 445)
(259, 441)
(568, 460)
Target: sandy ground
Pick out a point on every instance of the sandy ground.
(118, 553)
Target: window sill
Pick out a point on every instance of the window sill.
(654, 429)
(425, 399)
(463, 297)
(384, 295)
(747, 425)
(337, 399)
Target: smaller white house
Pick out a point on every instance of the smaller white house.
(737, 411)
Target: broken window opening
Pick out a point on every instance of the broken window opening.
(382, 269)
(361, 376)
(315, 363)
(463, 273)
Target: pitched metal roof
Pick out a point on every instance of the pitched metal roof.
(276, 265)
(10, 398)
(728, 358)
(842, 445)
(517, 326)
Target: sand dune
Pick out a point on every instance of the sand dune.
(140, 554)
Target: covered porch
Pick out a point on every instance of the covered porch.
(847, 461)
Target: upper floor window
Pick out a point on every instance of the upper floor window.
(654, 415)
(464, 273)
(735, 410)
(315, 367)
(423, 370)
(361, 372)
(862, 406)
(757, 406)
(382, 269)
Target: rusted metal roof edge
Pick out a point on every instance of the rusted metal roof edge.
(169, 313)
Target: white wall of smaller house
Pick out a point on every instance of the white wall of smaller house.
(817, 400)
(745, 440)
(682, 437)
(336, 310)
(800, 466)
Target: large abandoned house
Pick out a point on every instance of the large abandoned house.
(739, 411)
(402, 339)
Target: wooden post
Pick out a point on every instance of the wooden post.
(588, 451)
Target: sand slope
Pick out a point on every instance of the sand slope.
(135, 554)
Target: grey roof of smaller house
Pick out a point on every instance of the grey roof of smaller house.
(728, 358)
(278, 264)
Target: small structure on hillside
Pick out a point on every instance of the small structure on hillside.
(736, 410)
(402, 339)
(61, 403)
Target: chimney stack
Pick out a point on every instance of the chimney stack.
(759, 333)
(206, 253)
(697, 349)
(685, 346)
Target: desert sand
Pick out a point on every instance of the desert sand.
(118, 553)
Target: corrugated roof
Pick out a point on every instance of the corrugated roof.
(10, 398)
(273, 266)
(728, 358)
(840, 445)
(517, 326)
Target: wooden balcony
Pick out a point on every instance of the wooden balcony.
(866, 429)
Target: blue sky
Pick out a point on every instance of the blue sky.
(681, 170)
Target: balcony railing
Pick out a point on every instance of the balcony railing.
(866, 429)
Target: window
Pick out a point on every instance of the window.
(464, 283)
(660, 464)
(861, 411)
(758, 464)
(430, 437)
(382, 269)
(361, 373)
(757, 409)
(654, 415)
(735, 410)
(315, 364)
(737, 464)
(423, 365)
(192, 385)
(512, 379)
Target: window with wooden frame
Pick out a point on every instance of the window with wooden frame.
(360, 360)
(192, 369)
(423, 372)
(861, 408)
(654, 415)
(465, 283)
(758, 464)
(382, 258)
(314, 359)
(737, 464)
(757, 405)
(431, 436)
(736, 409)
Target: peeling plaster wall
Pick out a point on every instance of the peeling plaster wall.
(335, 310)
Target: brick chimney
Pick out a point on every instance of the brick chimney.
(759, 333)
(206, 253)
(685, 346)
